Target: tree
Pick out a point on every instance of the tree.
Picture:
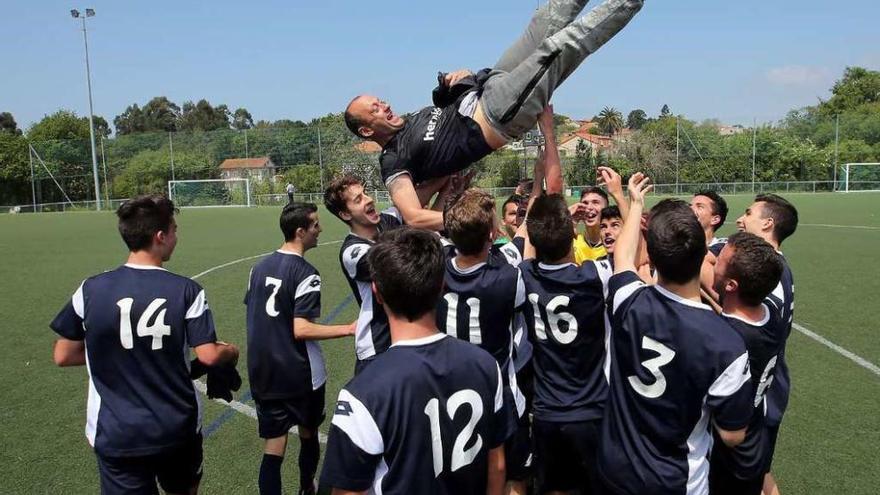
(242, 119)
(65, 124)
(610, 121)
(202, 116)
(857, 87)
(131, 121)
(161, 114)
(8, 124)
(636, 119)
(665, 112)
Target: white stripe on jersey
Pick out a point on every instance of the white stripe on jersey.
(312, 283)
(94, 405)
(363, 335)
(78, 302)
(198, 307)
(499, 392)
(733, 378)
(510, 252)
(624, 293)
(352, 256)
(359, 425)
(316, 363)
(699, 444)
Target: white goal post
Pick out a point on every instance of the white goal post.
(210, 193)
(861, 177)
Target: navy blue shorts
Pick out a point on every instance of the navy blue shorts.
(177, 471)
(275, 417)
(566, 455)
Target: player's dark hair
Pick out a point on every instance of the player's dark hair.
(353, 123)
(594, 190)
(142, 217)
(334, 195)
(469, 220)
(550, 228)
(783, 213)
(676, 242)
(515, 199)
(407, 266)
(610, 212)
(755, 265)
(296, 216)
(719, 206)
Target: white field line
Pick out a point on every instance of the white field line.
(236, 405)
(864, 363)
(832, 226)
(246, 409)
(246, 258)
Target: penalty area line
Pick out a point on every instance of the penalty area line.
(247, 258)
(834, 226)
(864, 363)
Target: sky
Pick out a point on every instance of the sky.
(732, 61)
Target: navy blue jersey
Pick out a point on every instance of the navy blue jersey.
(763, 340)
(783, 298)
(676, 369)
(478, 306)
(371, 336)
(567, 330)
(137, 323)
(282, 286)
(717, 244)
(420, 419)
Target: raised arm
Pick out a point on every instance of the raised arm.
(627, 244)
(403, 195)
(614, 183)
(552, 165)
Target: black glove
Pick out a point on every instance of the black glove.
(222, 380)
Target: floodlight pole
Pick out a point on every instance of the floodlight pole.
(754, 150)
(90, 13)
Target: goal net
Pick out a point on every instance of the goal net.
(861, 177)
(210, 193)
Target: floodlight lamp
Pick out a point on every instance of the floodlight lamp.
(90, 12)
(74, 13)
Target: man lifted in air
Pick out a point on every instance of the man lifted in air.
(475, 114)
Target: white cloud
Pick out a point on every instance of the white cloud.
(798, 75)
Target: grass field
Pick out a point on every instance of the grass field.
(829, 443)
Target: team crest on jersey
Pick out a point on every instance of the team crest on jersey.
(343, 408)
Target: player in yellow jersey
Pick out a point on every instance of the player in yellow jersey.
(588, 243)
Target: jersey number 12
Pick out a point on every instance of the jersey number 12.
(461, 457)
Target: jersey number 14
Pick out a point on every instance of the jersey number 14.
(157, 329)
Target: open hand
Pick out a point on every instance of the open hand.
(611, 179)
(639, 186)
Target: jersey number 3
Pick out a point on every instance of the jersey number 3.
(461, 457)
(653, 365)
(157, 330)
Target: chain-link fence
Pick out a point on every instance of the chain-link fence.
(792, 156)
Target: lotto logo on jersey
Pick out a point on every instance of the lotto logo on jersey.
(343, 408)
(355, 252)
(315, 283)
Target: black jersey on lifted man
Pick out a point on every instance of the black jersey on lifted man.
(435, 142)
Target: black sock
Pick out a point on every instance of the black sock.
(309, 454)
(270, 474)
